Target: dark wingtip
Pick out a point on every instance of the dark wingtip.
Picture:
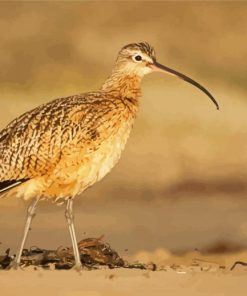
(9, 184)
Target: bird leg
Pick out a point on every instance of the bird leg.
(70, 219)
(30, 215)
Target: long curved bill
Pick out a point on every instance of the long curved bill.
(156, 67)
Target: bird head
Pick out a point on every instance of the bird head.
(136, 58)
(139, 59)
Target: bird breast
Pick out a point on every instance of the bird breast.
(100, 162)
(82, 169)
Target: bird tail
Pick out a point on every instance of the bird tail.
(9, 184)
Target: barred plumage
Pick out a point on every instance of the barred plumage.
(50, 142)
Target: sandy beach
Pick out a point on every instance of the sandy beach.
(122, 282)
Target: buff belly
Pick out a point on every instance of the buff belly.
(77, 171)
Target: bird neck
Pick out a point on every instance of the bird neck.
(123, 85)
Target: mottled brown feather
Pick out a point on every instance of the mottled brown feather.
(66, 145)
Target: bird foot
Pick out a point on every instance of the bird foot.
(78, 267)
(14, 266)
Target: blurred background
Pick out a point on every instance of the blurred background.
(181, 182)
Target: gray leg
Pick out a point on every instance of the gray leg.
(70, 219)
(30, 215)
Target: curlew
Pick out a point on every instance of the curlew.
(59, 149)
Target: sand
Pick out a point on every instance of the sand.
(190, 274)
(197, 224)
(122, 282)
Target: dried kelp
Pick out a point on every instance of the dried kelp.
(94, 252)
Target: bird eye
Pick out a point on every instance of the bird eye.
(137, 58)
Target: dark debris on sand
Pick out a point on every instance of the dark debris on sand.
(95, 253)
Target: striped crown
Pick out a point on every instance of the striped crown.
(143, 47)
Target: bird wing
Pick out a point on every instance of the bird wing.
(33, 144)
